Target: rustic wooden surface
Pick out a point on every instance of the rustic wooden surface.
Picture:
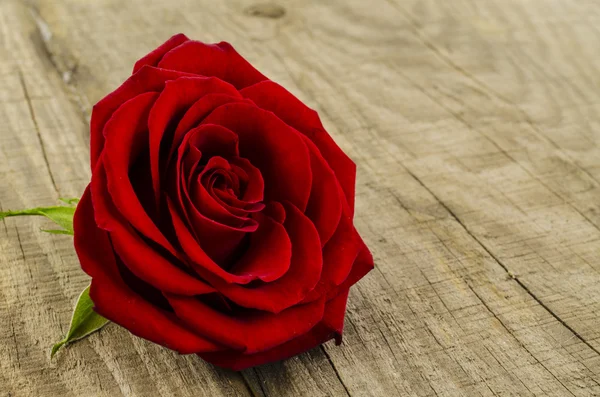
(475, 126)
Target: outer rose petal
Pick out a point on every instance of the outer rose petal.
(154, 57)
(137, 255)
(126, 136)
(362, 266)
(339, 256)
(331, 326)
(114, 300)
(145, 80)
(271, 96)
(325, 204)
(253, 332)
(219, 60)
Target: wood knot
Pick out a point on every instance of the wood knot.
(266, 10)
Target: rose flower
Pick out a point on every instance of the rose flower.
(218, 220)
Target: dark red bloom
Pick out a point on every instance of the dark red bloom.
(219, 216)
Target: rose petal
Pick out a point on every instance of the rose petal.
(233, 204)
(195, 114)
(209, 138)
(255, 186)
(214, 140)
(144, 80)
(204, 229)
(339, 254)
(155, 56)
(177, 96)
(335, 311)
(114, 300)
(324, 206)
(217, 239)
(276, 211)
(277, 150)
(127, 135)
(219, 60)
(267, 258)
(207, 204)
(253, 331)
(331, 326)
(297, 282)
(202, 262)
(269, 252)
(143, 261)
(362, 265)
(273, 97)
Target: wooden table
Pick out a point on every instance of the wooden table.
(475, 126)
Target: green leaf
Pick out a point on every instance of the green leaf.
(62, 216)
(84, 322)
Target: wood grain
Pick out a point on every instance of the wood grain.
(474, 125)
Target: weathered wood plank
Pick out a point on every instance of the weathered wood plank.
(473, 126)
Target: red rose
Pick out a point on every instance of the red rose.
(219, 216)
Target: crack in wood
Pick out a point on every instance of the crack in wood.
(20, 243)
(65, 66)
(37, 130)
(486, 89)
(510, 332)
(248, 384)
(260, 382)
(499, 262)
(337, 374)
(534, 177)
